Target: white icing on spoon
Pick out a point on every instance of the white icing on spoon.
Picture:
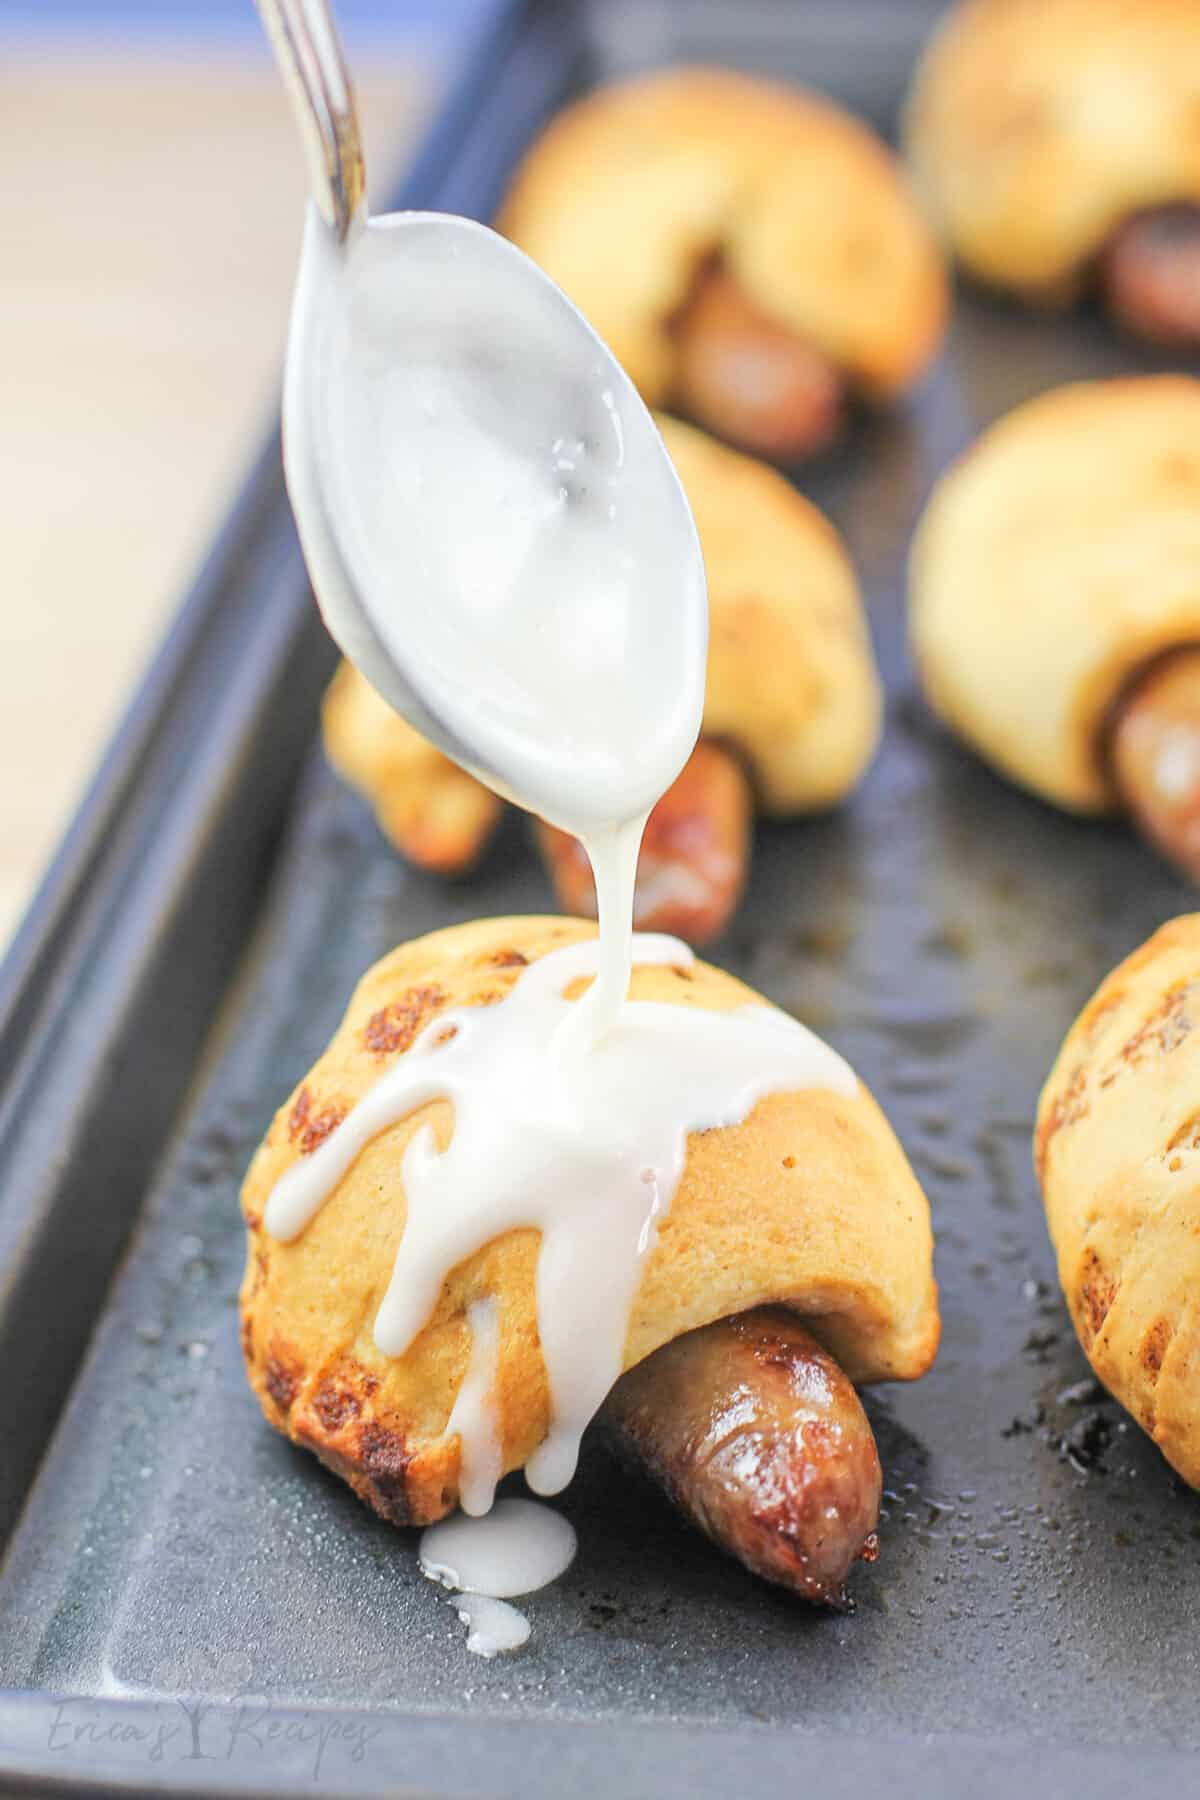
(588, 1149)
(495, 532)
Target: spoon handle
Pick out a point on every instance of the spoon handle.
(304, 37)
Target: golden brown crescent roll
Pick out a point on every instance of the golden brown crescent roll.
(1037, 127)
(809, 1202)
(634, 193)
(1055, 561)
(1118, 1156)
(434, 812)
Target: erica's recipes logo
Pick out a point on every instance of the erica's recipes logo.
(202, 1708)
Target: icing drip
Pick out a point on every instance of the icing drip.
(473, 1417)
(518, 1547)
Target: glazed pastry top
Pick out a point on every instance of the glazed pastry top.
(808, 1200)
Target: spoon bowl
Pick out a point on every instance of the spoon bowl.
(495, 532)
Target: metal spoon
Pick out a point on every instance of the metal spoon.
(399, 591)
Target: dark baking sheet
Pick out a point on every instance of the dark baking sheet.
(186, 1603)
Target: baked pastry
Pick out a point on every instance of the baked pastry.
(808, 1202)
(434, 812)
(792, 706)
(1055, 601)
(791, 717)
(1055, 142)
(749, 251)
(1118, 1156)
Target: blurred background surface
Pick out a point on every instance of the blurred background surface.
(152, 190)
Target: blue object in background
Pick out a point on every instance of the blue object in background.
(158, 19)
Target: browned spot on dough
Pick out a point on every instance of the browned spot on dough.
(391, 1030)
(312, 1128)
(384, 1461)
(247, 1337)
(1188, 1135)
(789, 1162)
(1162, 1032)
(378, 1476)
(1154, 1347)
(258, 1271)
(506, 959)
(253, 1219)
(1069, 1106)
(1087, 1027)
(300, 1114)
(683, 973)
(1097, 1292)
(315, 1133)
(335, 1406)
(280, 1382)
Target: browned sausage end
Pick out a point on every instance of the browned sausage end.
(1154, 753)
(761, 1441)
(1149, 274)
(694, 855)
(751, 380)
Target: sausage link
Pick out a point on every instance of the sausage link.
(692, 866)
(761, 1441)
(1154, 750)
(752, 380)
(1149, 274)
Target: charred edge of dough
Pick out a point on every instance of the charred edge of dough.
(1155, 1345)
(395, 1026)
(281, 1378)
(1067, 1108)
(1097, 1291)
(376, 1464)
(312, 1128)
